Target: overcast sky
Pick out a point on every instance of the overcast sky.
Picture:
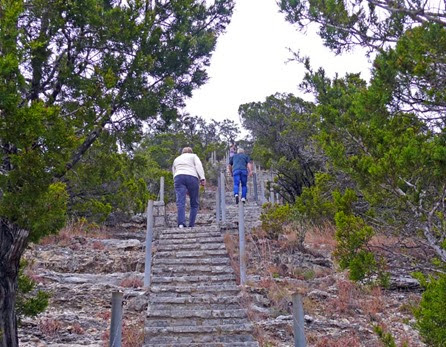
(249, 62)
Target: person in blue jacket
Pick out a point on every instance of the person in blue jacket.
(240, 167)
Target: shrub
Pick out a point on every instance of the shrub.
(431, 313)
(385, 337)
(50, 326)
(352, 234)
(274, 218)
(315, 203)
(29, 301)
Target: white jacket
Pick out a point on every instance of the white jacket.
(188, 164)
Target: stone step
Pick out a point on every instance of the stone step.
(189, 235)
(194, 334)
(157, 322)
(190, 246)
(186, 280)
(203, 220)
(196, 290)
(201, 228)
(191, 254)
(194, 240)
(203, 300)
(192, 269)
(234, 218)
(248, 208)
(152, 312)
(207, 344)
(196, 306)
(194, 299)
(217, 261)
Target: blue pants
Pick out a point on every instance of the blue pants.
(240, 176)
(187, 184)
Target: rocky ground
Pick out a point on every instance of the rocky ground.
(338, 312)
(83, 265)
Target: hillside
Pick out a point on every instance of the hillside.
(82, 266)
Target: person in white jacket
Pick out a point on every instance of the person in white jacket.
(188, 174)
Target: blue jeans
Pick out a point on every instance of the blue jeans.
(187, 184)
(240, 176)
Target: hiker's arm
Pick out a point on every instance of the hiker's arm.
(249, 169)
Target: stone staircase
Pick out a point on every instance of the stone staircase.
(194, 298)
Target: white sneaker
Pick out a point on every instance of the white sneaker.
(243, 200)
(181, 226)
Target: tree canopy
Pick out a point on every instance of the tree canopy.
(74, 68)
(283, 126)
(71, 71)
(374, 24)
(386, 137)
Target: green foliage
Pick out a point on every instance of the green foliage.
(71, 95)
(29, 301)
(263, 155)
(319, 204)
(283, 127)
(315, 204)
(73, 73)
(159, 149)
(103, 182)
(274, 218)
(352, 235)
(431, 313)
(386, 139)
(369, 25)
(385, 337)
(383, 277)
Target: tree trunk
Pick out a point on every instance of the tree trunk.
(13, 241)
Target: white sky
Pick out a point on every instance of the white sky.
(249, 62)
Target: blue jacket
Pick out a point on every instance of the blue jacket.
(239, 161)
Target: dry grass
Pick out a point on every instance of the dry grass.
(32, 272)
(278, 265)
(132, 282)
(104, 315)
(381, 239)
(412, 301)
(132, 333)
(346, 300)
(261, 248)
(292, 239)
(352, 340)
(262, 337)
(321, 237)
(75, 229)
(302, 273)
(279, 295)
(76, 328)
(98, 245)
(373, 303)
(49, 326)
(231, 243)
